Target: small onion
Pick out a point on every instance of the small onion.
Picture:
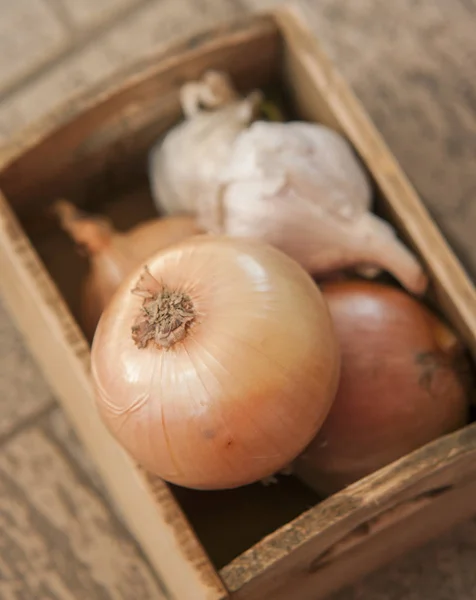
(112, 255)
(220, 366)
(403, 383)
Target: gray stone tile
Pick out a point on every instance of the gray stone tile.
(23, 392)
(412, 65)
(32, 102)
(30, 33)
(57, 537)
(144, 32)
(87, 13)
(57, 427)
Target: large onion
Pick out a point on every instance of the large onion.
(402, 384)
(221, 367)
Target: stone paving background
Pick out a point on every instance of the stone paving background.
(412, 64)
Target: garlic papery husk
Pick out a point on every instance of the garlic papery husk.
(194, 152)
(300, 187)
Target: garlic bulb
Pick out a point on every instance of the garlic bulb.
(299, 187)
(193, 153)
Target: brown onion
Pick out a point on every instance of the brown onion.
(216, 365)
(112, 254)
(402, 384)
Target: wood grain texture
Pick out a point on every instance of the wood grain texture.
(413, 496)
(288, 559)
(118, 120)
(411, 64)
(58, 540)
(387, 538)
(423, 100)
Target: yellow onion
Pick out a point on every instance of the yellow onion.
(216, 364)
(403, 384)
(112, 254)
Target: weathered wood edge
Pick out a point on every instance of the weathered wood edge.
(455, 291)
(101, 146)
(200, 44)
(371, 545)
(441, 464)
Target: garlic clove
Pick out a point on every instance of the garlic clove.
(314, 160)
(192, 154)
(378, 245)
(298, 187)
(321, 243)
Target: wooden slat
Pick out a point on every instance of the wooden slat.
(414, 78)
(306, 550)
(99, 43)
(404, 529)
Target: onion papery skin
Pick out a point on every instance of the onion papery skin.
(247, 388)
(120, 254)
(404, 382)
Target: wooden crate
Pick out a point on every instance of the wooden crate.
(253, 543)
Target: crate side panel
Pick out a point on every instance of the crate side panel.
(376, 544)
(61, 351)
